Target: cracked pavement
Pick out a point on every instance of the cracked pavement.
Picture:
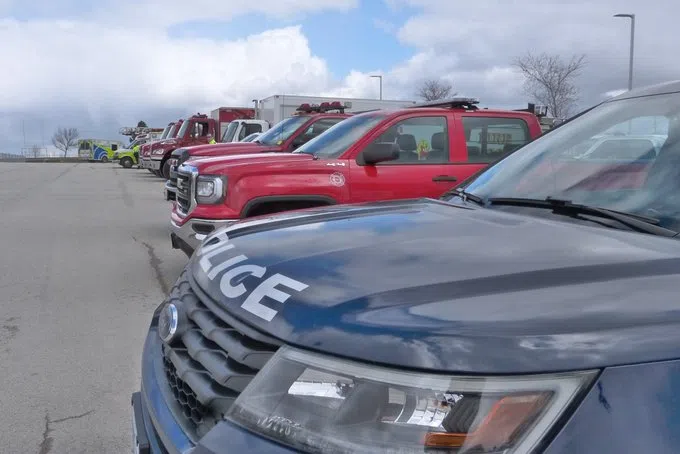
(85, 259)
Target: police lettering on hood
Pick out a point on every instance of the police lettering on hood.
(220, 262)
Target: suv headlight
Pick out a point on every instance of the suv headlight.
(210, 189)
(317, 403)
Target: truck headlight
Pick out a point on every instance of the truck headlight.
(158, 151)
(210, 189)
(316, 403)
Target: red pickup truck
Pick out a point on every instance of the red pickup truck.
(286, 136)
(420, 151)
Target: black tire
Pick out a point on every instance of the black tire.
(105, 159)
(126, 162)
(165, 169)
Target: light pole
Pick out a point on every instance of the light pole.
(632, 46)
(379, 77)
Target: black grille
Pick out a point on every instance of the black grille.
(183, 191)
(211, 364)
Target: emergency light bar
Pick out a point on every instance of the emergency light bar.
(323, 107)
(452, 103)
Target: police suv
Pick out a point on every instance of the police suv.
(531, 309)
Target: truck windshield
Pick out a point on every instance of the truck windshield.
(282, 131)
(165, 132)
(638, 172)
(229, 133)
(183, 130)
(333, 142)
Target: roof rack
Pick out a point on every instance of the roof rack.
(135, 131)
(538, 110)
(451, 103)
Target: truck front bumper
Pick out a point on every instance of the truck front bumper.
(189, 235)
(170, 190)
(154, 165)
(145, 163)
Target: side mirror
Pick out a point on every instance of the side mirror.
(379, 152)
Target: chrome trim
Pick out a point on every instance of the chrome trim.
(187, 233)
(193, 175)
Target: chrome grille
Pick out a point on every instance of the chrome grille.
(184, 195)
(212, 362)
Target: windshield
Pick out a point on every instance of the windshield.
(229, 133)
(623, 155)
(165, 132)
(183, 130)
(173, 132)
(132, 144)
(338, 138)
(282, 131)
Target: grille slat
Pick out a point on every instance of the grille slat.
(183, 194)
(212, 363)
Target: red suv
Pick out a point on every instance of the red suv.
(421, 151)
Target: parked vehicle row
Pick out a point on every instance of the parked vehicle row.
(490, 289)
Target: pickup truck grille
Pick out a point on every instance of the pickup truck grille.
(184, 189)
(211, 364)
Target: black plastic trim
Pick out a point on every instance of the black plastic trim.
(285, 198)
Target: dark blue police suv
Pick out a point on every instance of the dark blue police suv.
(531, 309)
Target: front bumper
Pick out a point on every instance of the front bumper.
(145, 163)
(170, 190)
(154, 165)
(189, 235)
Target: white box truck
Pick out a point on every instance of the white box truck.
(275, 108)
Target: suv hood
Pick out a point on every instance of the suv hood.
(217, 149)
(216, 163)
(430, 285)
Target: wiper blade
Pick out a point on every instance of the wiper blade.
(636, 222)
(459, 192)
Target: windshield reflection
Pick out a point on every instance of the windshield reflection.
(623, 155)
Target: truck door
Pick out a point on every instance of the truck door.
(426, 166)
(202, 130)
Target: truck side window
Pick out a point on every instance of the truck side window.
(114, 147)
(490, 138)
(421, 140)
(252, 128)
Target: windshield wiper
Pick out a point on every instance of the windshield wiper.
(636, 222)
(460, 192)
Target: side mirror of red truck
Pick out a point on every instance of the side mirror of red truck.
(378, 152)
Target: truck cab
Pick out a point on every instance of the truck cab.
(420, 151)
(237, 130)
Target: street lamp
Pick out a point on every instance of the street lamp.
(379, 77)
(632, 45)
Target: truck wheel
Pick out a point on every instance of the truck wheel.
(105, 159)
(126, 162)
(165, 169)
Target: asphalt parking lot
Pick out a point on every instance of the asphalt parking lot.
(86, 258)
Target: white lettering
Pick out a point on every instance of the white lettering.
(226, 264)
(234, 291)
(210, 250)
(267, 288)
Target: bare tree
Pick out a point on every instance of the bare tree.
(35, 151)
(65, 138)
(549, 79)
(434, 89)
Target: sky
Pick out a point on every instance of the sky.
(101, 65)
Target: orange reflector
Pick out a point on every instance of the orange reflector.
(501, 426)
